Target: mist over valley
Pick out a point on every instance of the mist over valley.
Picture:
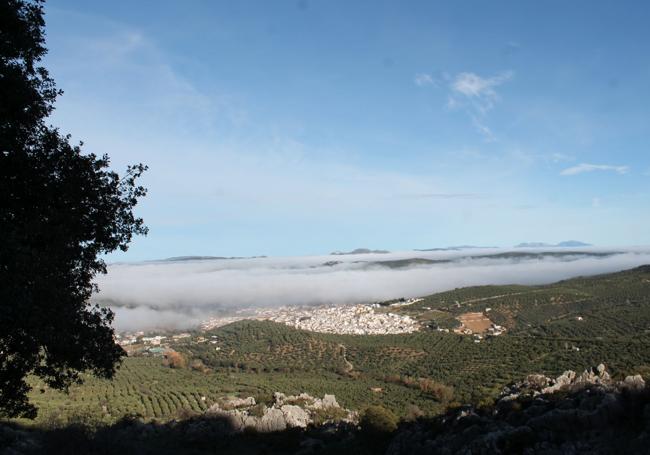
(180, 293)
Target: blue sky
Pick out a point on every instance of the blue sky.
(302, 127)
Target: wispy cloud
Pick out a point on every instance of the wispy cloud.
(586, 167)
(477, 95)
(423, 79)
(470, 92)
(480, 91)
(482, 128)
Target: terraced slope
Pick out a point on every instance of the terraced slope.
(609, 305)
(257, 358)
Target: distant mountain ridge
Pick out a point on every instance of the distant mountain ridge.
(506, 255)
(453, 248)
(360, 251)
(206, 258)
(565, 244)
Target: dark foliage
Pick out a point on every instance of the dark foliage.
(60, 210)
(378, 420)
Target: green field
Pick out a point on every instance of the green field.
(257, 358)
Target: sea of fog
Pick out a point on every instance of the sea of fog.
(179, 294)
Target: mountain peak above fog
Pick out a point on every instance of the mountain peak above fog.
(564, 244)
(360, 251)
(454, 248)
(206, 258)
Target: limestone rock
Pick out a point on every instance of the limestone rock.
(295, 416)
(635, 382)
(272, 420)
(287, 411)
(537, 380)
(228, 403)
(536, 384)
(279, 398)
(564, 380)
(329, 401)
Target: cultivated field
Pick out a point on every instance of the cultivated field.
(568, 325)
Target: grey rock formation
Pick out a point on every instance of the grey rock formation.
(635, 382)
(591, 415)
(287, 411)
(295, 416)
(564, 380)
(272, 420)
(227, 403)
(536, 384)
(329, 401)
(279, 398)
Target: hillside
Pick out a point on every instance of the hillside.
(510, 255)
(574, 323)
(600, 307)
(586, 412)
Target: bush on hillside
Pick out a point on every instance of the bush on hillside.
(173, 359)
(440, 392)
(378, 420)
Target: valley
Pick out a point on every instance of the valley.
(572, 324)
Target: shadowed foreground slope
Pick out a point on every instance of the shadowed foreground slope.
(573, 413)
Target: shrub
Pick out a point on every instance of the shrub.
(378, 420)
(440, 392)
(174, 359)
(258, 410)
(263, 398)
(329, 414)
(413, 412)
(198, 365)
(393, 378)
(186, 413)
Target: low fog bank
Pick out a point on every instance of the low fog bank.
(168, 294)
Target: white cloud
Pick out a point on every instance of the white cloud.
(477, 95)
(422, 79)
(481, 90)
(586, 167)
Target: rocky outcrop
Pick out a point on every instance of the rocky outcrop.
(228, 403)
(572, 413)
(635, 382)
(295, 416)
(293, 411)
(596, 377)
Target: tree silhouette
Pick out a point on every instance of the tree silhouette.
(60, 210)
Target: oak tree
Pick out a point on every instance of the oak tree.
(61, 210)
